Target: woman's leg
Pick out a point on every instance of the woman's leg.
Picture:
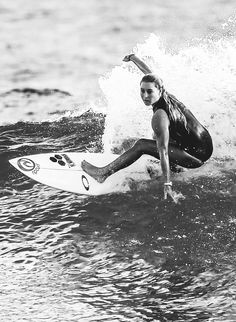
(142, 146)
(204, 149)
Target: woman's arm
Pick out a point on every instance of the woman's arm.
(138, 62)
(160, 126)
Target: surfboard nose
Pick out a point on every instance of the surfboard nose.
(13, 162)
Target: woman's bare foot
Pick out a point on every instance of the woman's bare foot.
(93, 171)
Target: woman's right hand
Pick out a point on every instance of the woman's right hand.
(127, 57)
(168, 192)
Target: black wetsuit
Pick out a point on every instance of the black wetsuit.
(192, 138)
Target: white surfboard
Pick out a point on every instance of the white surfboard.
(62, 170)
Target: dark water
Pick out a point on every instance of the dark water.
(128, 256)
(119, 257)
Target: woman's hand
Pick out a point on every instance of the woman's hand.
(172, 194)
(127, 57)
(168, 192)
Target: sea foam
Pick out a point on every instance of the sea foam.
(202, 76)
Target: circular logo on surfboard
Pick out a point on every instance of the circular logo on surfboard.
(26, 164)
(85, 182)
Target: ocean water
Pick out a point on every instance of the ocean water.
(127, 256)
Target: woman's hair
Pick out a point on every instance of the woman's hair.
(153, 78)
(173, 105)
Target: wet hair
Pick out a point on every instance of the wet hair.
(172, 104)
(152, 78)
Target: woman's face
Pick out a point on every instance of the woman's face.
(149, 93)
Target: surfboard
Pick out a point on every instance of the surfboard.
(62, 170)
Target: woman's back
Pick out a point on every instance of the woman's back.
(184, 128)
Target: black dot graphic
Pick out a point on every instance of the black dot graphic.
(61, 162)
(58, 156)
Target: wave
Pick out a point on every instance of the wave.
(35, 104)
(40, 92)
(84, 133)
(202, 76)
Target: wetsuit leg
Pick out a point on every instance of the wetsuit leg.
(197, 142)
(202, 148)
(142, 146)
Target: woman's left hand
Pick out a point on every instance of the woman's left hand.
(127, 57)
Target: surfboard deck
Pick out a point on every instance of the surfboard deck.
(62, 170)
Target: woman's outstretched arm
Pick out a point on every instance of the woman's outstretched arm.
(138, 62)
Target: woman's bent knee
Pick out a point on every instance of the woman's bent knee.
(146, 146)
(140, 145)
(207, 153)
(208, 148)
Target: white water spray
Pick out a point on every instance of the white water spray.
(202, 76)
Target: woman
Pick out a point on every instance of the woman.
(179, 137)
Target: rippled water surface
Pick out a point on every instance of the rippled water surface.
(127, 256)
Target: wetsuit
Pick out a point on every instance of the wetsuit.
(191, 137)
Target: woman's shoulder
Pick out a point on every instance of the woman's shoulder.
(159, 105)
(160, 120)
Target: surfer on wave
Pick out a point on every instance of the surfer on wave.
(179, 138)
